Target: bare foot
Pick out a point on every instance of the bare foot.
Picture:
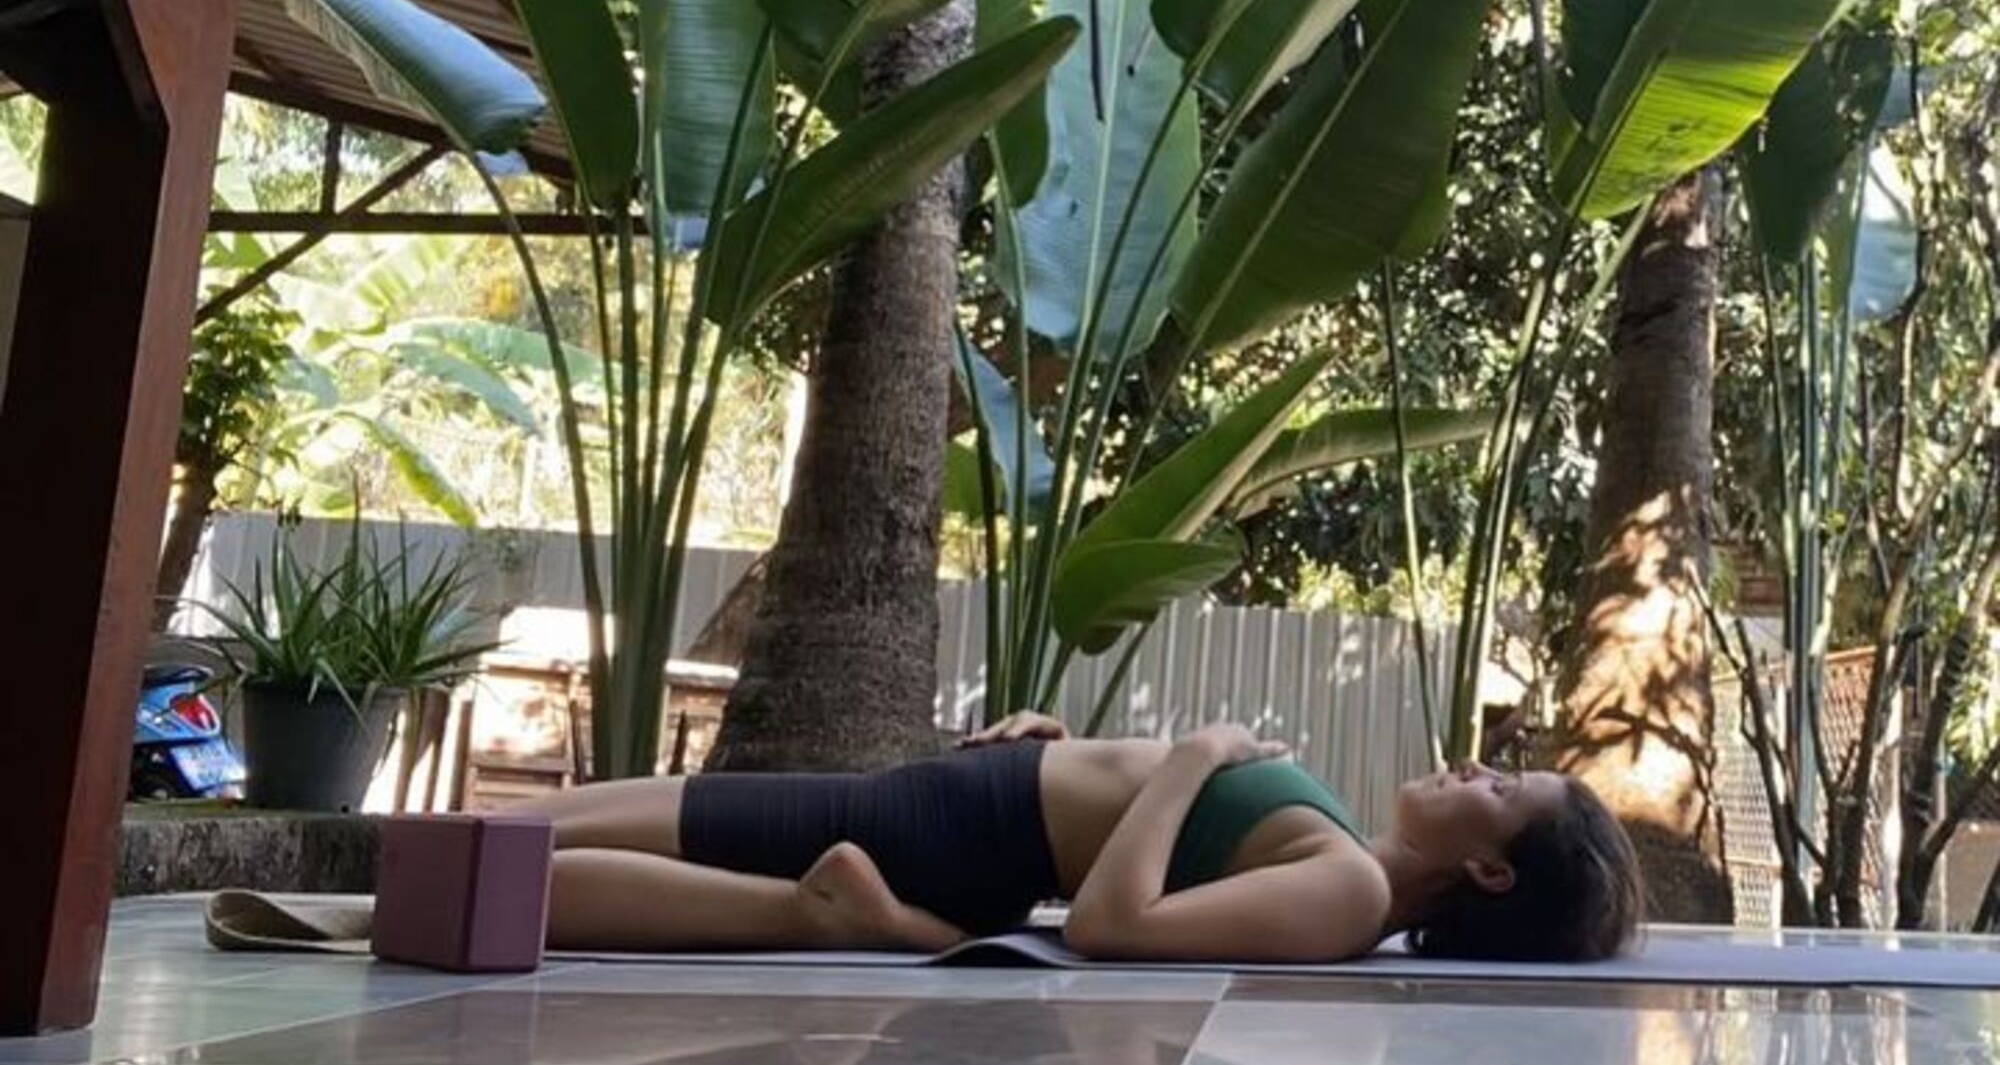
(848, 904)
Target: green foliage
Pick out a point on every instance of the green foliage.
(1347, 166)
(1689, 78)
(1856, 422)
(578, 50)
(660, 396)
(1792, 168)
(1111, 118)
(366, 621)
(818, 28)
(232, 392)
(696, 56)
(1175, 499)
(1022, 459)
(819, 44)
(1140, 552)
(1021, 139)
(1106, 588)
(1796, 160)
(1265, 40)
(348, 376)
(1343, 437)
(416, 58)
(1088, 261)
(877, 162)
(416, 469)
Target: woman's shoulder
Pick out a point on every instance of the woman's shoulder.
(1338, 898)
(1358, 894)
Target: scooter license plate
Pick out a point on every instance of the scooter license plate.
(208, 765)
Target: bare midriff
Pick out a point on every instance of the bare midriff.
(1086, 785)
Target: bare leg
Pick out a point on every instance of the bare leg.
(608, 899)
(641, 814)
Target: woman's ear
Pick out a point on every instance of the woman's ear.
(1492, 876)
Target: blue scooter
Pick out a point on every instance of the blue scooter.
(178, 749)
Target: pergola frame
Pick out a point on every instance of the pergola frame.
(90, 406)
(327, 219)
(87, 426)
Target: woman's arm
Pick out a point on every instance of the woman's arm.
(1331, 905)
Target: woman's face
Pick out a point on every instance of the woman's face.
(1470, 812)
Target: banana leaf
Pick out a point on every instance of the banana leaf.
(1022, 138)
(1874, 244)
(1348, 166)
(583, 59)
(1109, 587)
(1689, 79)
(998, 407)
(499, 345)
(1792, 165)
(416, 469)
(1173, 500)
(877, 162)
(809, 31)
(696, 55)
(418, 59)
(1269, 40)
(1104, 111)
(815, 27)
(454, 370)
(1342, 437)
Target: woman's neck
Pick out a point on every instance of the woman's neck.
(1416, 880)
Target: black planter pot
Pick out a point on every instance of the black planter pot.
(315, 754)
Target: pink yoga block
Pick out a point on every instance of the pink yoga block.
(464, 893)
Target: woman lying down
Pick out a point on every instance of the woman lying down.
(1214, 848)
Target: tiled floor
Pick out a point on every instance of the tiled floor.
(168, 999)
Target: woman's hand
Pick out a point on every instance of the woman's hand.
(1229, 744)
(1021, 725)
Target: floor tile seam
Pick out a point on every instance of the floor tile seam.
(313, 1019)
(1200, 1032)
(232, 981)
(1214, 992)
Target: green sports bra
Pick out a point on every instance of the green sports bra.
(1231, 803)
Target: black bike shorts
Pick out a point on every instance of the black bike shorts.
(960, 835)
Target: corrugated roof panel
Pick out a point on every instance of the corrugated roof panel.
(272, 47)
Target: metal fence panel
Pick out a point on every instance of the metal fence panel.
(1341, 690)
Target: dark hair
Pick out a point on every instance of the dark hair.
(1576, 894)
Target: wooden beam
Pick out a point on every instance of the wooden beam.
(23, 14)
(87, 428)
(535, 225)
(329, 167)
(393, 180)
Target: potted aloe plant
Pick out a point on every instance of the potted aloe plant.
(327, 658)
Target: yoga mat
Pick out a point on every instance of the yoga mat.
(250, 921)
(1663, 959)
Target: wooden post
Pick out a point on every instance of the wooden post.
(87, 429)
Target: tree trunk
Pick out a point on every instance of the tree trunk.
(1637, 704)
(192, 506)
(1928, 827)
(840, 672)
(1987, 920)
(725, 635)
